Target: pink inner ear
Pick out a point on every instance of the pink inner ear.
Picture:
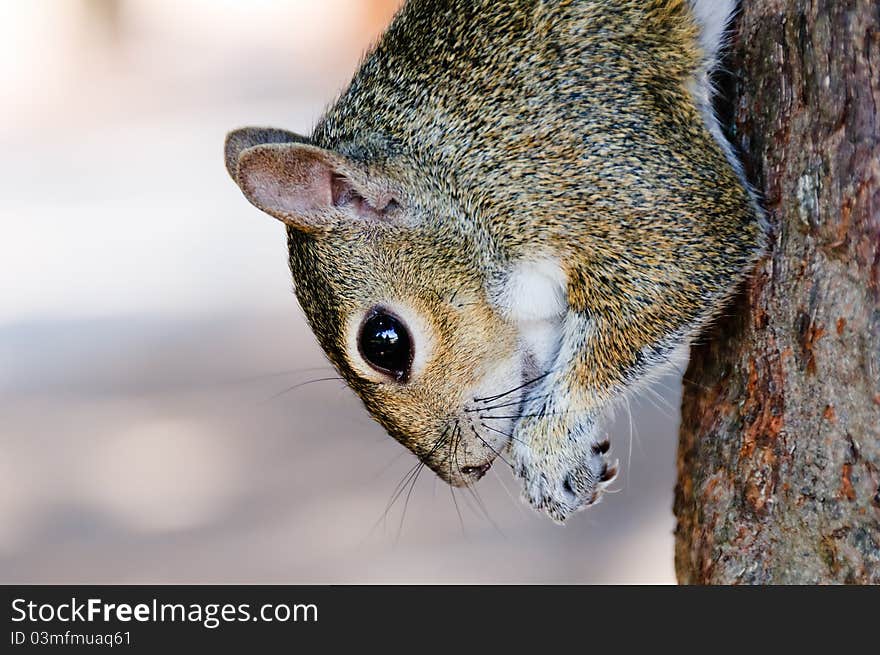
(342, 190)
(346, 196)
(306, 185)
(301, 186)
(287, 182)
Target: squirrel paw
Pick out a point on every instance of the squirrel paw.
(561, 481)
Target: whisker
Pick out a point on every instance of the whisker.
(471, 410)
(457, 509)
(415, 478)
(406, 500)
(629, 455)
(302, 384)
(515, 389)
(456, 435)
(391, 463)
(484, 511)
(665, 407)
(412, 474)
(451, 488)
(486, 443)
(501, 432)
(540, 414)
(516, 501)
(515, 416)
(470, 488)
(275, 374)
(398, 490)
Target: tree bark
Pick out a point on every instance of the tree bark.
(779, 454)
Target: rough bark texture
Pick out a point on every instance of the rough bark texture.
(779, 458)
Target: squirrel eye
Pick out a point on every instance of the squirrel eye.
(386, 345)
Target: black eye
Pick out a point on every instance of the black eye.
(386, 345)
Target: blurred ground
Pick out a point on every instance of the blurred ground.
(147, 329)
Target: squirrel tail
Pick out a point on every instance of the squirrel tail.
(701, 22)
(713, 18)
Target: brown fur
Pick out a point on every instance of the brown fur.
(478, 133)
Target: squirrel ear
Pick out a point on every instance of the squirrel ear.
(247, 137)
(307, 187)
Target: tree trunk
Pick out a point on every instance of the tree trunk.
(779, 455)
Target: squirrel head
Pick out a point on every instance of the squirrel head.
(513, 215)
(393, 282)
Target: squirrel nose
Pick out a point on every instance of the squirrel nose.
(477, 471)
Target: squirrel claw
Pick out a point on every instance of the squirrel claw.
(564, 483)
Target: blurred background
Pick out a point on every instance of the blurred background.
(151, 426)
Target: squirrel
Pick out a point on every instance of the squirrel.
(515, 215)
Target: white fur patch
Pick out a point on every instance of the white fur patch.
(713, 17)
(534, 291)
(533, 297)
